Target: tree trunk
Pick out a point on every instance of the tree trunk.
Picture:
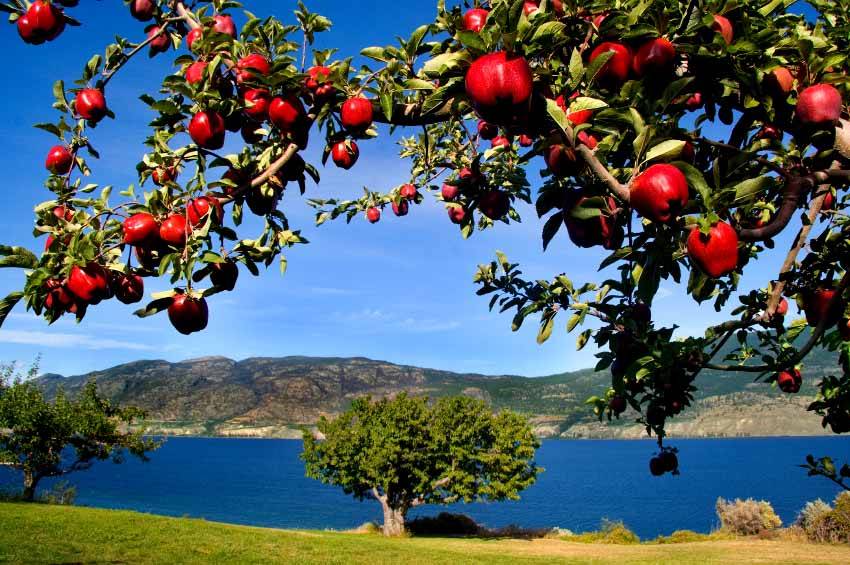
(30, 482)
(393, 520)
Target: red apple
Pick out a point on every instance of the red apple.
(90, 104)
(782, 307)
(654, 58)
(819, 105)
(475, 19)
(173, 230)
(63, 212)
(58, 299)
(659, 193)
(142, 10)
(59, 160)
(499, 87)
(194, 35)
(140, 229)
(500, 141)
(207, 130)
(188, 315)
(163, 175)
(494, 204)
(694, 101)
(356, 114)
(345, 153)
(199, 208)
(562, 160)
(601, 230)
(615, 71)
(587, 139)
(789, 381)
(247, 66)
(287, 114)
(769, 131)
(530, 6)
(257, 102)
(617, 404)
(779, 81)
(90, 284)
(195, 72)
(457, 214)
(577, 117)
(724, 27)
(525, 141)
(249, 132)
(816, 305)
(408, 191)
(224, 24)
(487, 131)
(716, 254)
(373, 214)
(128, 288)
(449, 192)
(401, 208)
(317, 82)
(828, 202)
(224, 275)
(160, 42)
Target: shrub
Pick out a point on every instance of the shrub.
(610, 532)
(747, 517)
(811, 514)
(444, 524)
(832, 526)
(62, 493)
(688, 536)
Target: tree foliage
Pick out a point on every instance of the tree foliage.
(621, 103)
(404, 453)
(53, 439)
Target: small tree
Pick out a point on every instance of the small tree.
(52, 439)
(404, 453)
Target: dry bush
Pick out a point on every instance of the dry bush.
(610, 532)
(832, 526)
(747, 517)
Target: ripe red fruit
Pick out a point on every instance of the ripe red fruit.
(27, 31)
(373, 214)
(249, 132)
(782, 307)
(598, 19)
(789, 381)
(819, 105)
(500, 87)
(587, 139)
(128, 288)
(207, 130)
(562, 160)
(600, 230)
(90, 104)
(716, 254)
(500, 141)
(43, 22)
(163, 175)
(356, 114)
(660, 193)
(250, 64)
(401, 208)
(724, 27)
(525, 141)
(140, 229)
(174, 229)
(487, 131)
(530, 6)
(615, 71)
(617, 404)
(142, 10)
(345, 153)
(769, 131)
(828, 202)
(475, 19)
(654, 58)
(160, 43)
(188, 315)
(287, 114)
(224, 275)
(58, 298)
(457, 214)
(195, 72)
(63, 212)
(494, 204)
(317, 82)
(408, 191)
(199, 208)
(59, 160)
(90, 284)
(694, 102)
(194, 35)
(449, 192)
(224, 24)
(577, 117)
(816, 305)
(779, 81)
(257, 102)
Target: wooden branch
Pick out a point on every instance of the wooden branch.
(620, 190)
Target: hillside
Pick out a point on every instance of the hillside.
(273, 397)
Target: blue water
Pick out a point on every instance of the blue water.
(261, 482)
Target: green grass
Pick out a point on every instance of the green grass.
(37, 533)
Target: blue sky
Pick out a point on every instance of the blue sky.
(400, 290)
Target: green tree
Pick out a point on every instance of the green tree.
(404, 453)
(53, 439)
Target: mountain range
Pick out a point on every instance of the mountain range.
(275, 397)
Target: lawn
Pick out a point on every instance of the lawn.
(36, 533)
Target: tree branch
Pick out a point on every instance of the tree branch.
(602, 172)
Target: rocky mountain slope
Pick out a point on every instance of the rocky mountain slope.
(274, 397)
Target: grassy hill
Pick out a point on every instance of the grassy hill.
(35, 533)
(273, 397)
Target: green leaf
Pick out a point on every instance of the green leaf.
(669, 149)
(8, 304)
(696, 181)
(546, 326)
(551, 227)
(746, 190)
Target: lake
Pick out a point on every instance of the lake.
(261, 482)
